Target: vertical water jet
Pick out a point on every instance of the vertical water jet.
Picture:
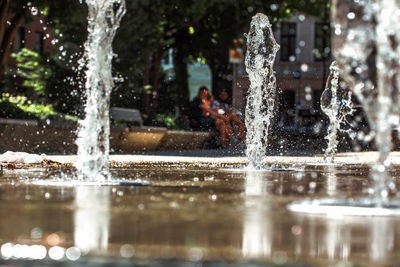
(261, 98)
(104, 17)
(336, 104)
(366, 47)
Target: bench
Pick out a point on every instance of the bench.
(126, 115)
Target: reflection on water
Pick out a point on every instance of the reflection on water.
(340, 239)
(336, 244)
(331, 180)
(197, 215)
(381, 234)
(256, 225)
(92, 218)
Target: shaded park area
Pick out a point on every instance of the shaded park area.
(166, 51)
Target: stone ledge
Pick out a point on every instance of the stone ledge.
(59, 137)
(184, 140)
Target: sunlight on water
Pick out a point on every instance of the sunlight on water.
(367, 52)
(260, 107)
(336, 104)
(93, 133)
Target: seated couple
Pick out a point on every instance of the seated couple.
(207, 114)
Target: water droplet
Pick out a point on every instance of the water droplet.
(300, 188)
(195, 254)
(73, 253)
(36, 233)
(351, 15)
(211, 178)
(34, 11)
(299, 175)
(56, 253)
(173, 204)
(127, 251)
(7, 250)
(313, 185)
(304, 67)
(296, 229)
(37, 252)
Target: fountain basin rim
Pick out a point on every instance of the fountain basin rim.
(345, 207)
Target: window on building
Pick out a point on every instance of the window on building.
(322, 42)
(288, 41)
(39, 42)
(19, 40)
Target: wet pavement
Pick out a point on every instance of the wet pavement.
(191, 216)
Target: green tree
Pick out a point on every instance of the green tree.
(193, 28)
(31, 67)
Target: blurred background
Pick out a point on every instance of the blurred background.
(165, 50)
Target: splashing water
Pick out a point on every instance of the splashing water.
(336, 104)
(367, 49)
(104, 17)
(260, 57)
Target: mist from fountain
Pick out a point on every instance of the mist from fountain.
(367, 52)
(261, 98)
(366, 48)
(104, 17)
(337, 105)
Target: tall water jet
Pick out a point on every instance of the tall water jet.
(104, 17)
(260, 107)
(366, 46)
(336, 104)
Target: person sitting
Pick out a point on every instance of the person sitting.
(203, 118)
(223, 108)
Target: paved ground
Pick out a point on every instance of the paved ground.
(217, 156)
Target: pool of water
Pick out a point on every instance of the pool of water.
(190, 215)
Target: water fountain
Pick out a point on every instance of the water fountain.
(366, 50)
(336, 104)
(93, 135)
(195, 211)
(260, 107)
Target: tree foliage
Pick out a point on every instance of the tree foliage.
(192, 28)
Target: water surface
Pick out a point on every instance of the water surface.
(196, 215)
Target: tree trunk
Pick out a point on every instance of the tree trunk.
(146, 82)
(156, 82)
(4, 5)
(181, 78)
